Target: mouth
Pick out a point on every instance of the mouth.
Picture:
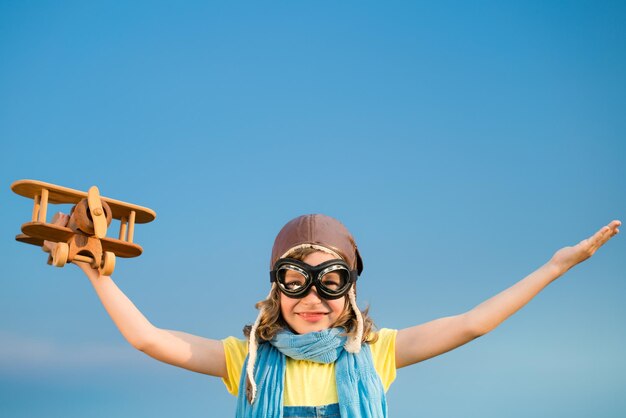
(312, 316)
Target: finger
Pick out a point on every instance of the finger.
(612, 228)
(600, 237)
(614, 225)
(60, 219)
(48, 246)
(605, 233)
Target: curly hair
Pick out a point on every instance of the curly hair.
(272, 321)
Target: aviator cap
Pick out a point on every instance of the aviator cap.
(317, 230)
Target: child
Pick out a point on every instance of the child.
(311, 351)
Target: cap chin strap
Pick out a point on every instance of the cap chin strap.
(252, 351)
(352, 345)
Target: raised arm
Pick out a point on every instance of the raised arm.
(180, 349)
(436, 337)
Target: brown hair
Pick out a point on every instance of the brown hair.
(272, 321)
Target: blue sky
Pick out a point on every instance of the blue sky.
(462, 143)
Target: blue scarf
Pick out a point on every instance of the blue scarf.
(359, 388)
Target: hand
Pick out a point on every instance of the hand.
(60, 219)
(568, 257)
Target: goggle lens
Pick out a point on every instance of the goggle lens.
(291, 280)
(335, 280)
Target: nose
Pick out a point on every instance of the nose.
(312, 297)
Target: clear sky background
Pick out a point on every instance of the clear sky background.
(462, 143)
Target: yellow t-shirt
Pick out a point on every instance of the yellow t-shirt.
(308, 383)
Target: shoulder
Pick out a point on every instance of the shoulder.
(235, 352)
(383, 340)
(235, 346)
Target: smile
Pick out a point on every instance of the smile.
(312, 316)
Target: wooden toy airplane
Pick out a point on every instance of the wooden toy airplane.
(84, 238)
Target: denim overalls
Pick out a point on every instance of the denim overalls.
(325, 411)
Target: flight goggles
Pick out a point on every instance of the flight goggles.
(332, 279)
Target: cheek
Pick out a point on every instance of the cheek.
(286, 305)
(337, 305)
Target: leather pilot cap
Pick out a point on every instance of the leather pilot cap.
(317, 230)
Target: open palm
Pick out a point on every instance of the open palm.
(568, 257)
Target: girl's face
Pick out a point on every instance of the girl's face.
(311, 313)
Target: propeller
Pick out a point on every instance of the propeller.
(97, 212)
